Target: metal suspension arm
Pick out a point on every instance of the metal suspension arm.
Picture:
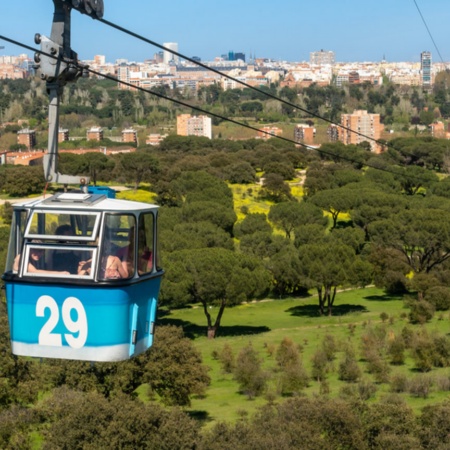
(63, 68)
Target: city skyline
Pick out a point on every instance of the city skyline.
(354, 32)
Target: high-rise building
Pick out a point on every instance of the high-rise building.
(188, 125)
(425, 70)
(169, 57)
(367, 125)
(322, 57)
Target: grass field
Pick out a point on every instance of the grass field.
(266, 323)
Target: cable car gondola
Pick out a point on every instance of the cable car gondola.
(82, 275)
(63, 301)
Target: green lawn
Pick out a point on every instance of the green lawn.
(266, 323)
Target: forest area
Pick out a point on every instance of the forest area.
(252, 220)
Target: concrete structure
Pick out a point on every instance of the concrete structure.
(425, 70)
(129, 135)
(26, 137)
(155, 139)
(304, 134)
(438, 130)
(94, 134)
(63, 135)
(268, 132)
(188, 125)
(168, 57)
(366, 125)
(322, 57)
(100, 60)
(333, 132)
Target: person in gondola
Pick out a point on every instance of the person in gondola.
(65, 259)
(33, 263)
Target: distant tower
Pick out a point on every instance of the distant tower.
(169, 57)
(322, 57)
(425, 70)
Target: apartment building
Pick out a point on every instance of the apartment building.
(63, 135)
(27, 137)
(304, 134)
(322, 57)
(333, 132)
(366, 125)
(155, 139)
(268, 132)
(94, 134)
(188, 125)
(129, 135)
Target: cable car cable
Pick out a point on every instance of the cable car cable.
(429, 32)
(209, 113)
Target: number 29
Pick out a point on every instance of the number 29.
(79, 326)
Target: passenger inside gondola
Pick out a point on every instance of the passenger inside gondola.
(35, 256)
(65, 259)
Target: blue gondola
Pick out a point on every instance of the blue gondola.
(63, 301)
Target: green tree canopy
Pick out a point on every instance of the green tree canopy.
(214, 277)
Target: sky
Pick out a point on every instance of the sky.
(285, 31)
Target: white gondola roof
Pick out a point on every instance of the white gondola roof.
(86, 202)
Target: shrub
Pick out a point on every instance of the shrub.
(399, 383)
(249, 374)
(349, 369)
(420, 386)
(396, 350)
(226, 358)
(439, 297)
(420, 311)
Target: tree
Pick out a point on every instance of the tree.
(248, 372)
(275, 188)
(190, 235)
(227, 359)
(96, 162)
(174, 368)
(416, 178)
(293, 375)
(348, 368)
(21, 181)
(325, 266)
(434, 423)
(213, 277)
(289, 215)
(138, 166)
(285, 268)
(252, 223)
(335, 201)
(419, 238)
(390, 423)
(79, 420)
(209, 211)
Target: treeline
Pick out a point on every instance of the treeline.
(100, 101)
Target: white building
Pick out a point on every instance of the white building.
(169, 57)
